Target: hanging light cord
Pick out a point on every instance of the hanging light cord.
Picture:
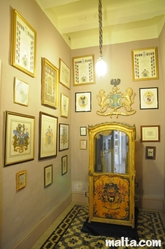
(100, 27)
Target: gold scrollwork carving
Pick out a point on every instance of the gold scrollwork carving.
(116, 100)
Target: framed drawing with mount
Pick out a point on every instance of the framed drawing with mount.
(83, 102)
(47, 135)
(150, 133)
(23, 45)
(145, 64)
(149, 98)
(83, 70)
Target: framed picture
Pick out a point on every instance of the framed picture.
(48, 175)
(64, 73)
(83, 131)
(64, 106)
(83, 102)
(20, 180)
(64, 164)
(145, 64)
(21, 92)
(49, 87)
(63, 137)
(150, 152)
(150, 133)
(23, 55)
(19, 138)
(83, 70)
(83, 144)
(48, 135)
(148, 98)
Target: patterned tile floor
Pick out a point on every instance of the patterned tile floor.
(43, 238)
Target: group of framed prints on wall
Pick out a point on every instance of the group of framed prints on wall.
(145, 67)
(20, 134)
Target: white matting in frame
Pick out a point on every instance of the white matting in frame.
(83, 102)
(19, 138)
(23, 45)
(149, 98)
(21, 92)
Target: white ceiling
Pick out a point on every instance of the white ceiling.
(123, 20)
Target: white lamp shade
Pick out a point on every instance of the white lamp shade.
(101, 67)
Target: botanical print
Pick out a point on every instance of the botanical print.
(21, 138)
(111, 197)
(64, 139)
(48, 146)
(49, 136)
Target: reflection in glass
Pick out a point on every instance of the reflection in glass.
(111, 152)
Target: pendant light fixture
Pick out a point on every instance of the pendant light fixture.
(101, 66)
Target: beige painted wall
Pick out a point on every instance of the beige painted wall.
(150, 173)
(22, 211)
(162, 61)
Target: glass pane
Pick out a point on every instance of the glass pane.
(111, 149)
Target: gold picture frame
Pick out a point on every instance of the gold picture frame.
(83, 144)
(145, 64)
(64, 165)
(64, 106)
(19, 138)
(64, 74)
(48, 135)
(20, 180)
(150, 133)
(49, 81)
(23, 56)
(83, 70)
(48, 175)
(21, 92)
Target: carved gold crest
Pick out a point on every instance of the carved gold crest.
(116, 100)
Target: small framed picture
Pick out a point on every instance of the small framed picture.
(83, 70)
(48, 175)
(145, 64)
(64, 106)
(83, 102)
(83, 131)
(150, 152)
(21, 92)
(64, 164)
(83, 144)
(63, 137)
(148, 98)
(150, 133)
(64, 73)
(20, 180)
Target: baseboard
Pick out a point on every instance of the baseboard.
(150, 203)
(79, 197)
(35, 233)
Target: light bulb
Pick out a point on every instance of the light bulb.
(101, 67)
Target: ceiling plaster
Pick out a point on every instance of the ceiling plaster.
(122, 20)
